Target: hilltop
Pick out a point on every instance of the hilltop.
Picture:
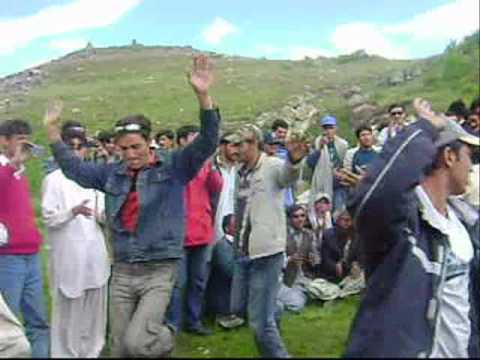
(100, 85)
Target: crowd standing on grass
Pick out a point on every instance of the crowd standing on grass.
(150, 234)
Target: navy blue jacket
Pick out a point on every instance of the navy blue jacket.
(405, 257)
(161, 223)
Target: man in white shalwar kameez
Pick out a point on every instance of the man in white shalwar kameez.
(79, 264)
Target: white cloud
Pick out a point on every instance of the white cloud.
(67, 45)
(446, 22)
(438, 26)
(218, 30)
(60, 19)
(300, 52)
(266, 50)
(348, 38)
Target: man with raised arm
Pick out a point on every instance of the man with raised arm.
(420, 245)
(145, 215)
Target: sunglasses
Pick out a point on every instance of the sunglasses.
(396, 113)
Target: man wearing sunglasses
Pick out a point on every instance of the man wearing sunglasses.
(79, 265)
(145, 212)
(396, 123)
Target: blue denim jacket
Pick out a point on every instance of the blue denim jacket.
(161, 223)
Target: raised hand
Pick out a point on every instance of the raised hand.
(424, 111)
(297, 147)
(54, 110)
(52, 119)
(201, 76)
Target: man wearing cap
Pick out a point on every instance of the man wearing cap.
(78, 261)
(145, 214)
(260, 239)
(326, 161)
(420, 244)
(21, 279)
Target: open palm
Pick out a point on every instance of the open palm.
(201, 76)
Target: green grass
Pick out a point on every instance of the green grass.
(319, 331)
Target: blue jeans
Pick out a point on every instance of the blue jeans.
(189, 287)
(220, 278)
(21, 286)
(255, 287)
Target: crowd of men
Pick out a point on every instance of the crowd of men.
(149, 233)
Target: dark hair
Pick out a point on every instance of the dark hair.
(455, 146)
(393, 106)
(457, 108)
(105, 135)
(139, 119)
(72, 124)
(363, 127)
(226, 222)
(15, 127)
(293, 209)
(279, 123)
(183, 131)
(475, 104)
(165, 132)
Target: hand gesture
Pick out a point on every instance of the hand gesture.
(297, 148)
(82, 209)
(424, 111)
(201, 76)
(52, 115)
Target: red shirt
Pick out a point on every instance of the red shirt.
(131, 207)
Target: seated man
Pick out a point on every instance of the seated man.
(321, 216)
(302, 257)
(339, 251)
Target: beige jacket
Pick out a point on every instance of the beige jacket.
(266, 205)
(13, 342)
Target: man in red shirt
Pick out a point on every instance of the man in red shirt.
(21, 283)
(200, 198)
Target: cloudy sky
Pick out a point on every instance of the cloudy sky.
(35, 31)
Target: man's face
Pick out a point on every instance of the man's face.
(329, 131)
(270, 149)
(344, 221)
(281, 133)
(298, 219)
(460, 169)
(230, 152)
(78, 146)
(13, 142)
(398, 115)
(248, 149)
(365, 139)
(231, 227)
(165, 142)
(135, 150)
(109, 146)
(184, 141)
(322, 206)
(474, 120)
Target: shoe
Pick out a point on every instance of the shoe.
(200, 330)
(230, 321)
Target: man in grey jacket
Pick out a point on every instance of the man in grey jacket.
(261, 235)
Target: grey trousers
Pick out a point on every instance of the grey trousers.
(139, 296)
(79, 325)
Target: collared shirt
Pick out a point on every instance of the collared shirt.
(453, 330)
